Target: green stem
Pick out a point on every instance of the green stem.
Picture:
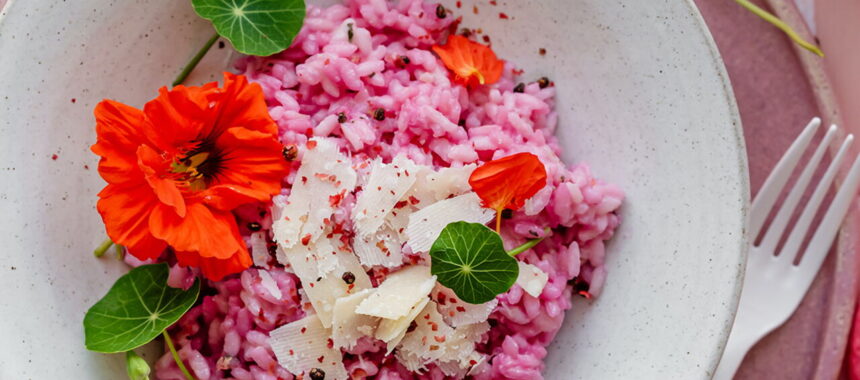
(781, 25)
(176, 356)
(103, 247)
(194, 61)
(120, 252)
(525, 247)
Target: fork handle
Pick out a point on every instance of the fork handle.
(736, 349)
(746, 331)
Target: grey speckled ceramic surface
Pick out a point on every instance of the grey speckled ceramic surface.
(643, 98)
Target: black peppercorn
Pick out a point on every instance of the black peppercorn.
(254, 226)
(520, 87)
(290, 152)
(507, 213)
(316, 374)
(403, 60)
(543, 82)
(348, 278)
(341, 117)
(440, 11)
(379, 114)
(349, 32)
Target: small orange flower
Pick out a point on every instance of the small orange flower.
(471, 62)
(176, 169)
(508, 182)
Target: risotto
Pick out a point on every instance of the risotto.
(363, 77)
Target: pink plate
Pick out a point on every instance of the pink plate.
(778, 89)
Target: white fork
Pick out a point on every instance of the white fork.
(774, 285)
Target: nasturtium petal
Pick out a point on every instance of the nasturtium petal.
(471, 63)
(507, 182)
(136, 309)
(254, 27)
(471, 260)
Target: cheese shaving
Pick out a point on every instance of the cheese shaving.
(531, 278)
(324, 289)
(379, 248)
(324, 177)
(457, 312)
(426, 224)
(400, 291)
(433, 340)
(450, 181)
(303, 345)
(427, 340)
(384, 188)
(347, 325)
(392, 331)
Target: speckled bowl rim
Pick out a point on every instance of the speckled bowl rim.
(738, 130)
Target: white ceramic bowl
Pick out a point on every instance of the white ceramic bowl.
(643, 98)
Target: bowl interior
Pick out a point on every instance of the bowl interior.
(643, 98)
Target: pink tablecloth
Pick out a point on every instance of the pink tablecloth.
(776, 100)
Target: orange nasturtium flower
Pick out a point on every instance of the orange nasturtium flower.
(508, 182)
(471, 62)
(176, 169)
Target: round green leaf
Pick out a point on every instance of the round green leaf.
(470, 259)
(138, 307)
(254, 27)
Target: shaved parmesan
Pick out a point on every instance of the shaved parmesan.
(400, 291)
(348, 326)
(303, 345)
(451, 369)
(398, 220)
(432, 340)
(427, 340)
(385, 187)
(392, 331)
(318, 259)
(531, 278)
(433, 186)
(379, 248)
(269, 283)
(457, 312)
(281, 256)
(426, 224)
(410, 360)
(323, 289)
(458, 370)
(259, 249)
(460, 347)
(325, 176)
(450, 181)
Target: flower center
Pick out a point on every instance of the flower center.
(198, 167)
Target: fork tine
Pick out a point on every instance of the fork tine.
(795, 238)
(774, 183)
(826, 232)
(777, 227)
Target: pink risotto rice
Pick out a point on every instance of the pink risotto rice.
(388, 64)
